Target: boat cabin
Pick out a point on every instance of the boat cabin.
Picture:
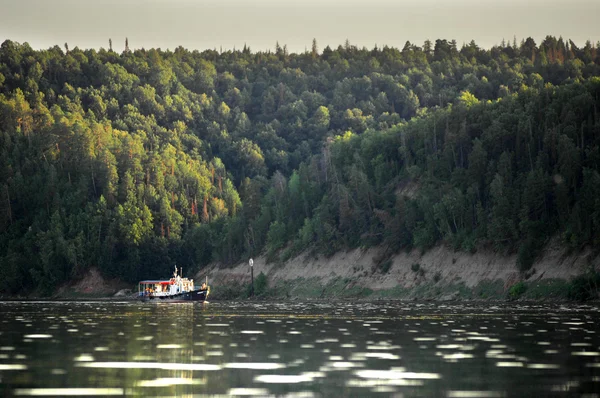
(174, 286)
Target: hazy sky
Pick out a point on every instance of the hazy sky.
(202, 24)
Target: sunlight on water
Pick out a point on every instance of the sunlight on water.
(254, 365)
(151, 365)
(168, 381)
(380, 355)
(457, 356)
(395, 374)
(287, 349)
(509, 364)
(381, 382)
(168, 346)
(63, 392)
(141, 358)
(542, 366)
(8, 366)
(586, 353)
(340, 365)
(475, 394)
(248, 392)
(38, 336)
(283, 379)
(84, 358)
(424, 339)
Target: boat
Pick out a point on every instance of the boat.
(176, 289)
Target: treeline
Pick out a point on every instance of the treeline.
(132, 162)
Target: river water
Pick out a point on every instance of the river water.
(299, 349)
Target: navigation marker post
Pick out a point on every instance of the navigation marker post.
(251, 262)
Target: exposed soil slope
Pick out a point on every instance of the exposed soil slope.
(439, 273)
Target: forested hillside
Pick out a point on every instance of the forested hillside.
(137, 161)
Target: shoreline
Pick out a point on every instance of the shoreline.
(437, 275)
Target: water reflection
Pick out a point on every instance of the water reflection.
(298, 349)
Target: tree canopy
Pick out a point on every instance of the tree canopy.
(132, 162)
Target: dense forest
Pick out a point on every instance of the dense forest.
(136, 161)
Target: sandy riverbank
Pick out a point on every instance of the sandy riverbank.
(440, 273)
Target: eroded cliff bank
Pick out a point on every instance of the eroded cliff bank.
(439, 274)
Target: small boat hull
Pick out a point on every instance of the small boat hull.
(194, 295)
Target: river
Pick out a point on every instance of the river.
(299, 349)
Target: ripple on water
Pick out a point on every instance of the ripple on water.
(475, 394)
(543, 366)
(341, 365)
(12, 366)
(37, 336)
(361, 356)
(169, 346)
(284, 379)
(395, 374)
(84, 358)
(168, 381)
(63, 392)
(456, 356)
(248, 392)
(254, 365)
(586, 353)
(510, 364)
(383, 347)
(150, 365)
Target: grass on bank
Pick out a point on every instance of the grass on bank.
(582, 288)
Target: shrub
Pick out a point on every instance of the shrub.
(517, 290)
(415, 267)
(260, 285)
(385, 266)
(584, 287)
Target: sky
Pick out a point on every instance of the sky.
(228, 24)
